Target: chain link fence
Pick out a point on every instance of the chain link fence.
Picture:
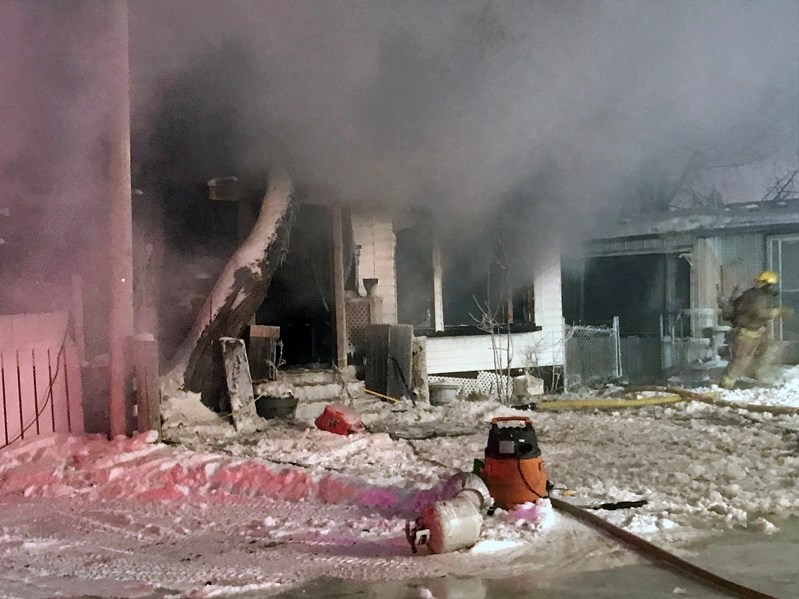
(593, 355)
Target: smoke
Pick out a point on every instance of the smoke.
(52, 155)
(569, 108)
(535, 117)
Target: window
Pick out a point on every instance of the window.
(783, 257)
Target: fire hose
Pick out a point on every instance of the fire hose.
(660, 556)
(711, 399)
(570, 404)
(667, 395)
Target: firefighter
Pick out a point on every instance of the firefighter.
(751, 314)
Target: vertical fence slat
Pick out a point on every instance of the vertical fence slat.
(22, 387)
(148, 399)
(13, 413)
(29, 393)
(36, 400)
(51, 383)
(44, 397)
(60, 391)
(72, 384)
(5, 398)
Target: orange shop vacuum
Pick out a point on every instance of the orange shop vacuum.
(513, 471)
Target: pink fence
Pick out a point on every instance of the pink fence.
(40, 386)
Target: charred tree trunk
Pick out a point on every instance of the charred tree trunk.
(238, 292)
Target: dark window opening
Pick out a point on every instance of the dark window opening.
(523, 305)
(638, 289)
(414, 260)
(482, 289)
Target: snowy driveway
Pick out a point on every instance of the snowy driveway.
(222, 515)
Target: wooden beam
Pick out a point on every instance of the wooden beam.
(340, 320)
(148, 393)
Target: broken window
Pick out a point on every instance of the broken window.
(482, 284)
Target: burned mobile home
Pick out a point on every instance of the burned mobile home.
(389, 295)
(664, 274)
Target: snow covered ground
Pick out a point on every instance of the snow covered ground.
(784, 392)
(222, 514)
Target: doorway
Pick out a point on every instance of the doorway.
(300, 296)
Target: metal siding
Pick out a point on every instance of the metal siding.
(742, 257)
(653, 245)
(782, 258)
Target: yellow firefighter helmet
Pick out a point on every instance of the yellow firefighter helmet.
(767, 277)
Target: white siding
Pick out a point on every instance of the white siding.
(547, 290)
(467, 353)
(375, 235)
(742, 257)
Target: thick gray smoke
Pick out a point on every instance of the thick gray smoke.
(565, 107)
(545, 112)
(52, 153)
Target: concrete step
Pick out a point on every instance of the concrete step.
(304, 376)
(307, 393)
(309, 388)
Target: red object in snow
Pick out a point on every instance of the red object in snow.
(339, 419)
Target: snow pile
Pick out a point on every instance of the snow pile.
(284, 506)
(221, 513)
(139, 468)
(784, 392)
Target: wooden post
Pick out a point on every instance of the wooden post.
(121, 233)
(419, 370)
(148, 393)
(338, 288)
(438, 295)
(77, 317)
(239, 385)
(148, 252)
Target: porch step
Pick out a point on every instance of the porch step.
(306, 376)
(310, 385)
(333, 392)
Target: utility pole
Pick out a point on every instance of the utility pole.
(120, 220)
